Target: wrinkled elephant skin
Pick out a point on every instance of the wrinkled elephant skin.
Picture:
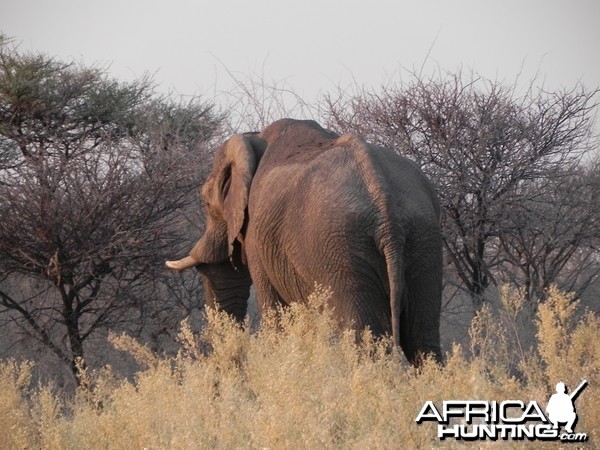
(296, 205)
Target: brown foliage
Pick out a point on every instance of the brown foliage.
(296, 383)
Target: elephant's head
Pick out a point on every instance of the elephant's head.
(219, 254)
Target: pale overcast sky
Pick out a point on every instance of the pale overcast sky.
(314, 45)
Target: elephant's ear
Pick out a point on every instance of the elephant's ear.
(241, 163)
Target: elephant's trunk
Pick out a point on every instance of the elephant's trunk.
(227, 288)
(182, 264)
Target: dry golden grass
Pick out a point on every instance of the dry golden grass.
(296, 384)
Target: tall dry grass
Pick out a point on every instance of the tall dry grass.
(297, 384)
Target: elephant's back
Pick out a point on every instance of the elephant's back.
(327, 219)
(344, 180)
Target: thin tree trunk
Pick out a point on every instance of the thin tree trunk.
(71, 317)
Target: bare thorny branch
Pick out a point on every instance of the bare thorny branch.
(89, 202)
(491, 152)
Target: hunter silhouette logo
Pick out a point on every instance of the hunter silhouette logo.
(561, 407)
(510, 419)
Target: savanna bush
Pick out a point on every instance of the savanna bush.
(300, 383)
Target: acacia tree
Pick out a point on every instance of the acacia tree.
(552, 236)
(485, 146)
(93, 175)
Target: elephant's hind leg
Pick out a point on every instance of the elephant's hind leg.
(420, 319)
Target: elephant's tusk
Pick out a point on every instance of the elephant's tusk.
(182, 264)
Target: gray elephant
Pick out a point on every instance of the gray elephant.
(296, 205)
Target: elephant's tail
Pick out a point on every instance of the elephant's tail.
(396, 281)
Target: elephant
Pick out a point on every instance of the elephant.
(297, 205)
